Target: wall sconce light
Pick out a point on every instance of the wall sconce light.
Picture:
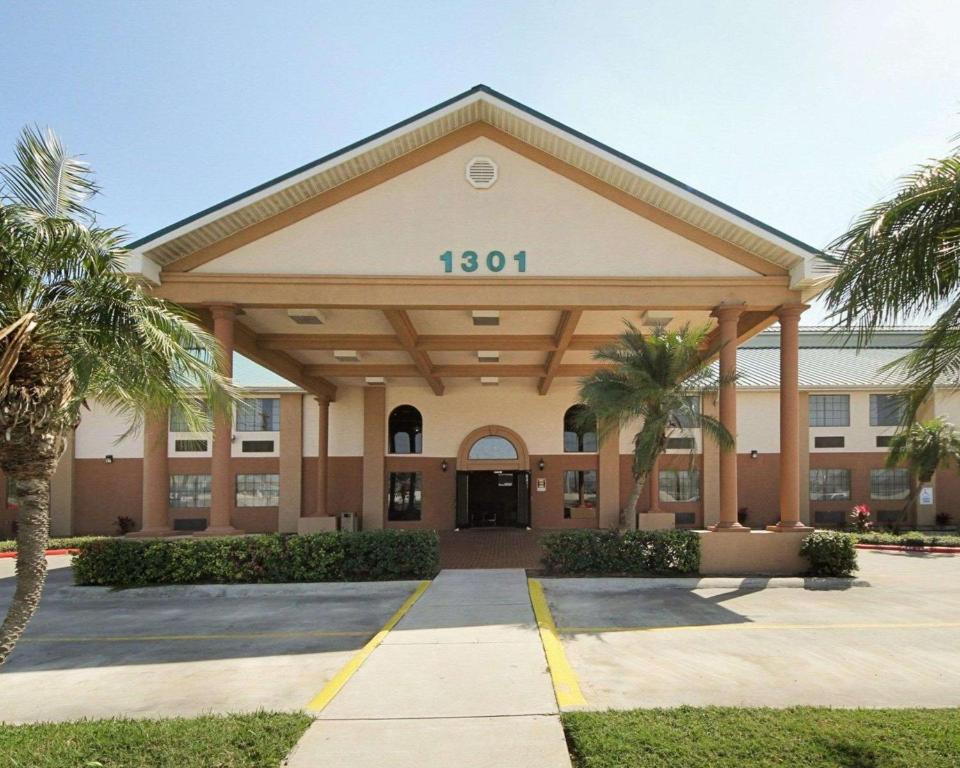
(541, 464)
(108, 459)
(754, 453)
(443, 465)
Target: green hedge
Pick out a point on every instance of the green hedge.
(263, 559)
(638, 553)
(909, 539)
(70, 542)
(830, 553)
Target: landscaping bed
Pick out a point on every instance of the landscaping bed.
(910, 540)
(235, 741)
(722, 737)
(263, 559)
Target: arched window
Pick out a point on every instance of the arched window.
(493, 447)
(405, 426)
(579, 436)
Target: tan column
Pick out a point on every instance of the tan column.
(156, 478)
(374, 449)
(221, 478)
(805, 514)
(728, 316)
(323, 452)
(789, 315)
(608, 479)
(291, 461)
(61, 491)
(711, 468)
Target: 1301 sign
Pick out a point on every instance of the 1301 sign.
(495, 261)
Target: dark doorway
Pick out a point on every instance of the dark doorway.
(491, 499)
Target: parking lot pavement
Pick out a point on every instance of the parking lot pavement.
(168, 651)
(894, 642)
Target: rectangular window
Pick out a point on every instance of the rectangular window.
(829, 410)
(829, 485)
(830, 517)
(405, 498)
(579, 493)
(681, 443)
(259, 414)
(679, 485)
(258, 490)
(685, 518)
(684, 419)
(191, 491)
(256, 446)
(885, 410)
(883, 441)
(828, 441)
(190, 446)
(889, 483)
(178, 419)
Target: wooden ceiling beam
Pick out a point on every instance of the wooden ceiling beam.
(445, 342)
(407, 336)
(565, 328)
(357, 341)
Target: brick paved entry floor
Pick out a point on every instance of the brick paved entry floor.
(490, 548)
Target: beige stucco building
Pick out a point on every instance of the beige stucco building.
(426, 301)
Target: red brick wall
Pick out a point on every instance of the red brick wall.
(439, 491)
(344, 485)
(758, 488)
(102, 492)
(546, 507)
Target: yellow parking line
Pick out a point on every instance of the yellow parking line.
(214, 636)
(565, 683)
(340, 679)
(748, 625)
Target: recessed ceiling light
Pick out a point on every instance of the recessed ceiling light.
(346, 355)
(656, 318)
(307, 316)
(489, 381)
(488, 356)
(486, 317)
(375, 381)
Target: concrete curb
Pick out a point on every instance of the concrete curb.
(195, 591)
(719, 582)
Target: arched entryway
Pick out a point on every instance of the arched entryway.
(493, 479)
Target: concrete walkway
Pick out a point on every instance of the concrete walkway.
(461, 681)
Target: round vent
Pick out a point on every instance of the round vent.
(481, 172)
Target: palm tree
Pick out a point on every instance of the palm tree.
(901, 259)
(924, 448)
(655, 379)
(75, 327)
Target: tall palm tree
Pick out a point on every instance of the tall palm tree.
(656, 379)
(74, 327)
(923, 448)
(901, 259)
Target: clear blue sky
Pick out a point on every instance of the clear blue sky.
(798, 113)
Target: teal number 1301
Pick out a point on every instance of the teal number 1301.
(495, 261)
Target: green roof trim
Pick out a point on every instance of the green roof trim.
(442, 105)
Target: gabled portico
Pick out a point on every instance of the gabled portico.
(366, 270)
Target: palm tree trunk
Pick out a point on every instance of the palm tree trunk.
(631, 507)
(33, 496)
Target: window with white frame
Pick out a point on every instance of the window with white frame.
(259, 414)
(686, 418)
(889, 484)
(679, 485)
(886, 410)
(829, 410)
(189, 491)
(258, 490)
(829, 485)
(179, 421)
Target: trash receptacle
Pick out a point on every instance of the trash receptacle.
(348, 521)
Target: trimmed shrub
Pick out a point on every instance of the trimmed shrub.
(909, 539)
(831, 553)
(635, 553)
(261, 559)
(69, 542)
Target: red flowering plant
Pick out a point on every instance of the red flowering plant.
(860, 517)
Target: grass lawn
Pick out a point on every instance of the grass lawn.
(233, 741)
(721, 737)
